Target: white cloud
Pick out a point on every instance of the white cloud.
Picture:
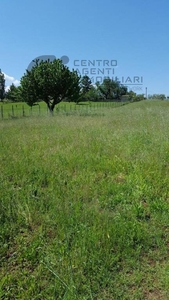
(7, 88)
(9, 80)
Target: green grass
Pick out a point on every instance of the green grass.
(17, 110)
(84, 210)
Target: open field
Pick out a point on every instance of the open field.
(84, 210)
(20, 109)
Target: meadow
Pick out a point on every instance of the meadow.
(10, 110)
(84, 209)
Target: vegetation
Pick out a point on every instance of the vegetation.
(2, 86)
(108, 90)
(157, 96)
(13, 94)
(86, 84)
(84, 205)
(133, 97)
(9, 110)
(111, 89)
(50, 81)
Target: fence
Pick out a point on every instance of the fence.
(9, 111)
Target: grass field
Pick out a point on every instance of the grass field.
(17, 110)
(84, 210)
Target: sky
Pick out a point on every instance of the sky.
(124, 39)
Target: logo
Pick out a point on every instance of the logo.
(96, 69)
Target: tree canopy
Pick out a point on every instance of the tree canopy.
(110, 89)
(50, 81)
(86, 84)
(14, 93)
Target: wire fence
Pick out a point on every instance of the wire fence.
(13, 110)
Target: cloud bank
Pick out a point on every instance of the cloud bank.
(9, 80)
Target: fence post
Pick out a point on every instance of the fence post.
(2, 113)
(16, 110)
(23, 111)
(12, 111)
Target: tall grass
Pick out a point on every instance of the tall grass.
(84, 205)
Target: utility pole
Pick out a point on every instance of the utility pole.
(146, 93)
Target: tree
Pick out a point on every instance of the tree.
(88, 91)
(106, 88)
(92, 94)
(157, 96)
(51, 82)
(86, 84)
(133, 97)
(13, 94)
(2, 86)
(121, 91)
(111, 89)
(162, 97)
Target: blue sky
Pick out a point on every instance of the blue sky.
(134, 33)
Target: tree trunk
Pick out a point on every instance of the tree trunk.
(51, 108)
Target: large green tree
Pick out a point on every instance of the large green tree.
(2, 86)
(50, 81)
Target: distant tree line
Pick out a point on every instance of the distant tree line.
(53, 82)
(158, 96)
